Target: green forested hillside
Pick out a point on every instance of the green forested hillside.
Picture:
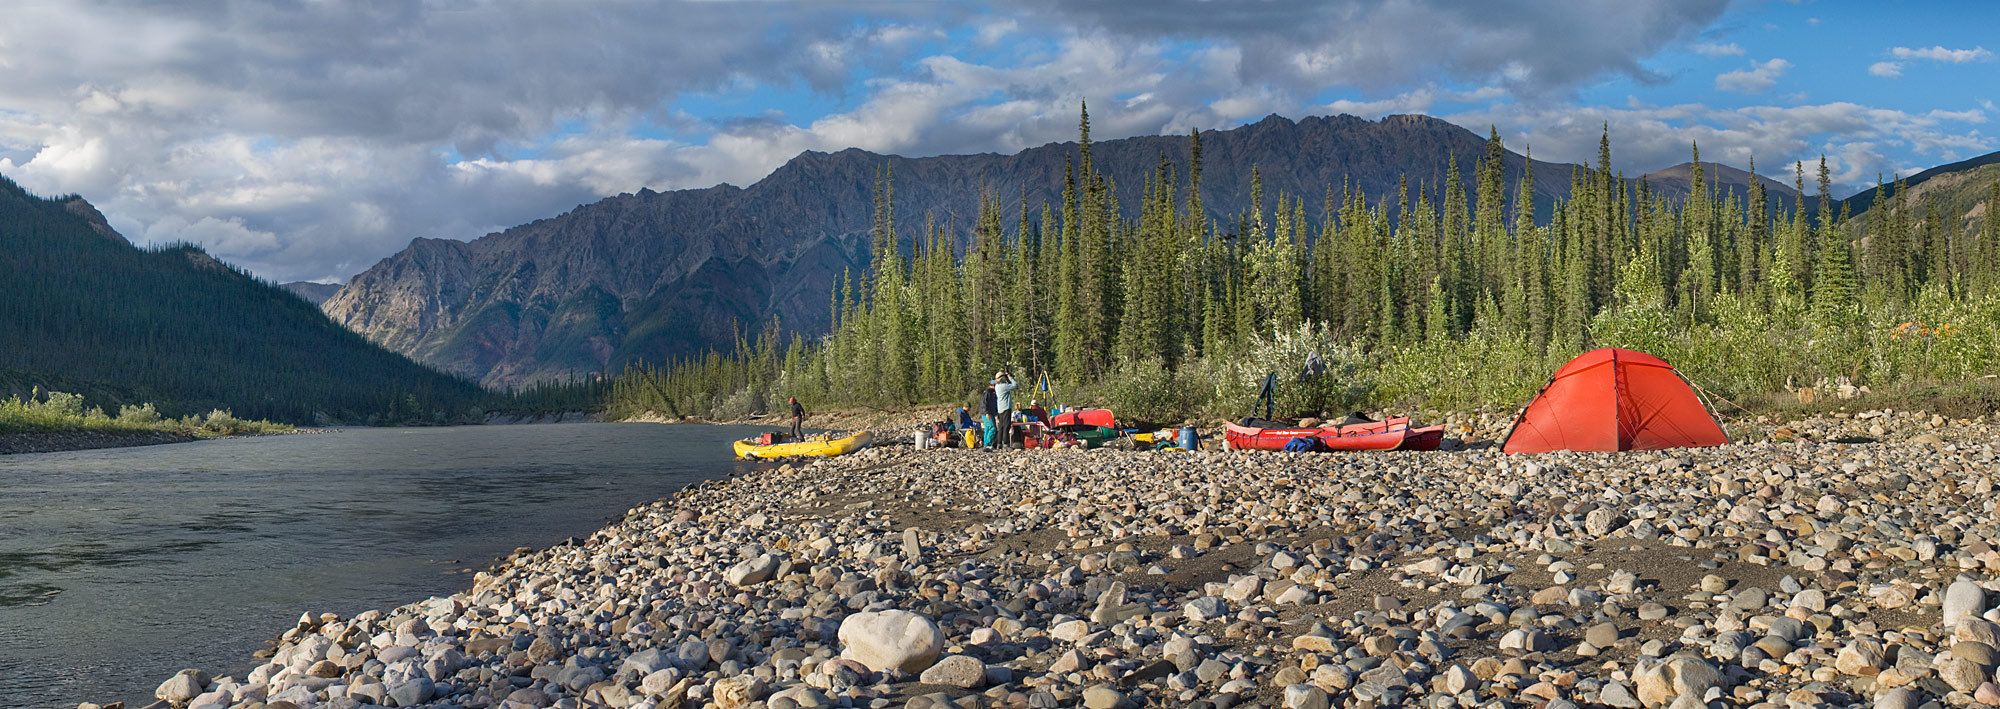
(83, 311)
(1432, 296)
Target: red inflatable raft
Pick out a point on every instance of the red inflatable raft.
(1084, 417)
(1393, 434)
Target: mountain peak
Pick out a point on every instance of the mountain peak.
(1679, 178)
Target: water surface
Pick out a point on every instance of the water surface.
(119, 567)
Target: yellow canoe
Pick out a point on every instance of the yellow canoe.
(821, 446)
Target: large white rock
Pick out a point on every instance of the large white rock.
(183, 686)
(1964, 599)
(892, 639)
(1660, 682)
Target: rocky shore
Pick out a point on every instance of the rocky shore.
(54, 441)
(1792, 571)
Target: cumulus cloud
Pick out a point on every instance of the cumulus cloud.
(1420, 100)
(340, 128)
(1854, 137)
(1941, 54)
(1894, 69)
(307, 140)
(1760, 77)
(1312, 44)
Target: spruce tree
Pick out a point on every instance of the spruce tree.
(1989, 240)
(1751, 250)
(1834, 296)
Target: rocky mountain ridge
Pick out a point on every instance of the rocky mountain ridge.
(657, 275)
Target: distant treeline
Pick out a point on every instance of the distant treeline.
(82, 311)
(1435, 296)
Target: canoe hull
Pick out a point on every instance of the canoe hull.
(1393, 434)
(746, 450)
(1272, 439)
(1083, 417)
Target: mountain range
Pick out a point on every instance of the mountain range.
(644, 276)
(656, 275)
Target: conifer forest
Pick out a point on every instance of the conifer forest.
(1449, 294)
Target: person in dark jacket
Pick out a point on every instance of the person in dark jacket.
(990, 406)
(798, 419)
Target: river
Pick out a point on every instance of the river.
(119, 567)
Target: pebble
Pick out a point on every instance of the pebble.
(1102, 696)
(956, 671)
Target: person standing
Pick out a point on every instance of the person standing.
(798, 419)
(1003, 394)
(989, 407)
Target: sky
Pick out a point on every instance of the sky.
(306, 140)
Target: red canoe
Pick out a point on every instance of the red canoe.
(1271, 439)
(1083, 417)
(1393, 434)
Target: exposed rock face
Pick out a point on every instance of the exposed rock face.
(90, 215)
(659, 274)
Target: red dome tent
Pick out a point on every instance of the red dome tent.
(1614, 400)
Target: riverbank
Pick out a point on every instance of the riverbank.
(19, 442)
(56, 441)
(1789, 570)
(844, 420)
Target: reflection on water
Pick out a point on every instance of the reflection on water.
(119, 567)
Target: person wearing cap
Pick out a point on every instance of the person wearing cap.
(1003, 394)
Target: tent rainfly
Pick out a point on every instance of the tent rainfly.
(1614, 400)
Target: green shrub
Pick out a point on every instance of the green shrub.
(141, 415)
(1483, 370)
(1146, 391)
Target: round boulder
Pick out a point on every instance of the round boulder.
(891, 640)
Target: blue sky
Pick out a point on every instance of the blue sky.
(306, 141)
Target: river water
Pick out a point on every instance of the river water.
(119, 567)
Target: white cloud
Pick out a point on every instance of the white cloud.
(1941, 54)
(305, 141)
(1711, 49)
(1419, 100)
(1857, 139)
(1968, 116)
(1886, 70)
(222, 235)
(1757, 79)
(993, 29)
(1309, 45)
